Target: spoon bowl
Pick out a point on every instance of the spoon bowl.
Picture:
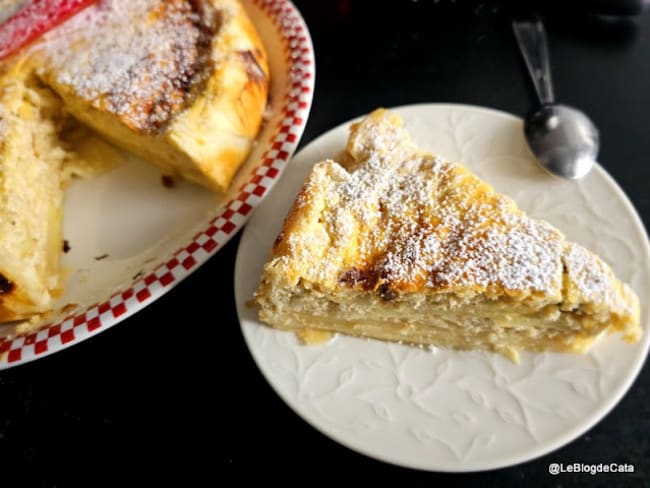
(563, 140)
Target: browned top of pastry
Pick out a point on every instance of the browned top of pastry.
(136, 60)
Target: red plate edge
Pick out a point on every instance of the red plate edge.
(299, 54)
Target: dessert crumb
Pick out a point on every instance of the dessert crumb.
(168, 181)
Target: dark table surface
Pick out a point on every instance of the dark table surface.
(132, 405)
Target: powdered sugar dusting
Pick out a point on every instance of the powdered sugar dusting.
(589, 275)
(425, 224)
(136, 60)
(416, 221)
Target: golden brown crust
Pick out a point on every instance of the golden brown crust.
(231, 110)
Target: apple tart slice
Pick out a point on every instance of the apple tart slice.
(396, 244)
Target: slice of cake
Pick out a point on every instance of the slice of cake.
(396, 244)
(31, 193)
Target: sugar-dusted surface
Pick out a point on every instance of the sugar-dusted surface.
(138, 60)
(403, 220)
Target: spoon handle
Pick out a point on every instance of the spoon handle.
(531, 38)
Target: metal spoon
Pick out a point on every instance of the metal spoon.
(562, 138)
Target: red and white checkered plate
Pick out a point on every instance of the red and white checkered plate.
(132, 238)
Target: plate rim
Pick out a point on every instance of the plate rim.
(218, 228)
(540, 450)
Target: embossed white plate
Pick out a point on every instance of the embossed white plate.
(446, 410)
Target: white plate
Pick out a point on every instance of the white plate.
(132, 239)
(446, 410)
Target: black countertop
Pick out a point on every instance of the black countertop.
(132, 405)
